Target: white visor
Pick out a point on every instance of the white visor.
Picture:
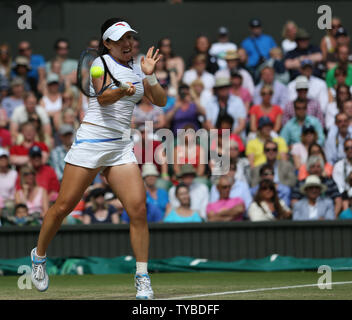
(117, 30)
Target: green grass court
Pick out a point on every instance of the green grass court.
(175, 285)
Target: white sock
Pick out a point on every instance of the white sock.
(142, 267)
(40, 257)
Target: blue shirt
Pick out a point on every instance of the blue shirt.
(173, 216)
(37, 61)
(170, 102)
(334, 149)
(292, 130)
(264, 43)
(161, 201)
(154, 214)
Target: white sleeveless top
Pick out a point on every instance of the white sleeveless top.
(51, 106)
(118, 115)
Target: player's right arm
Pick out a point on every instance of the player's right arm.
(110, 96)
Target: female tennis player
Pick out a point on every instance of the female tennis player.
(100, 146)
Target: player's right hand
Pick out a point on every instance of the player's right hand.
(131, 90)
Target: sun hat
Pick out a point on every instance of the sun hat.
(117, 30)
(22, 61)
(65, 129)
(231, 55)
(222, 82)
(302, 35)
(149, 169)
(302, 82)
(52, 78)
(187, 169)
(312, 181)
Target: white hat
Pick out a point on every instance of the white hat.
(149, 169)
(4, 152)
(117, 30)
(313, 181)
(302, 82)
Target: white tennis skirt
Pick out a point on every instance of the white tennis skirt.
(96, 146)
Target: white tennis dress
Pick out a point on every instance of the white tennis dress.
(108, 142)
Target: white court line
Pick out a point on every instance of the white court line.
(255, 290)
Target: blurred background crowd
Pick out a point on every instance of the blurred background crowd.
(287, 105)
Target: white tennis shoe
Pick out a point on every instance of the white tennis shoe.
(39, 276)
(143, 286)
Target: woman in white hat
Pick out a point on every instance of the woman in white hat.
(313, 206)
(103, 143)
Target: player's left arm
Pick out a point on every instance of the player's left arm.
(152, 89)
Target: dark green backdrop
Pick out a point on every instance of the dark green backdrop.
(79, 21)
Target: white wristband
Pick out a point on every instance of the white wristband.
(152, 80)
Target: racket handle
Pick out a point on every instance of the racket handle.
(124, 85)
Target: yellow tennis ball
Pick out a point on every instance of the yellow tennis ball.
(96, 72)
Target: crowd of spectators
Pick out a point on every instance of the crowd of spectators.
(287, 108)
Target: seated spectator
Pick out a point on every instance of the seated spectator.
(334, 149)
(315, 166)
(347, 197)
(167, 78)
(19, 154)
(16, 98)
(336, 104)
(58, 154)
(183, 213)
(198, 71)
(239, 189)
(44, 174)
(223, 103)
(8, 179)
(21, 70)
(32, 195)
(342, 54)
(154, 214)
(328, 42)
(233, 63)
(21, 217)
(41, 135)
(199, 192)
(5, 60)
(146, 111)
(27, 111)
(289, 35)
(257, 45)
(199, 95)
(5, 135)
(292, 130)
(267, 205)
(313, 106)
(202, 45)
(238, 90)
(279, 92)
(304, 50)
(267, 172)
(315, 150)
(156, 196)
(67, 116)
(223, 44)
(255, 147)
(299, 150)
(172, 60)
(313, 206)
(343, 168)
(266, 109)
(226, 208)
(188, 151)
(146, 150)
(284, 171)
(276, 61)
(52, 97)
(317, 89)
(100, 211)
(185, 111)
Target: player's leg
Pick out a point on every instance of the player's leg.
(74, 182)
(127, 183)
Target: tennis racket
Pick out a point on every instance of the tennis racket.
(85, 62)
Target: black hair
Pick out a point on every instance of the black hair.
(226, 118)
(179, 186)
(20, 205)
(172, 55)
(265, 167)
(106, 25)
(315, 144)
(61, 40)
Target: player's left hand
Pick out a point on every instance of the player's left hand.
(149, 61)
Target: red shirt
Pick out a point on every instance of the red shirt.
(140, 153)
(5, 138)
(258, 112)
(46, 178)
(21, 150)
